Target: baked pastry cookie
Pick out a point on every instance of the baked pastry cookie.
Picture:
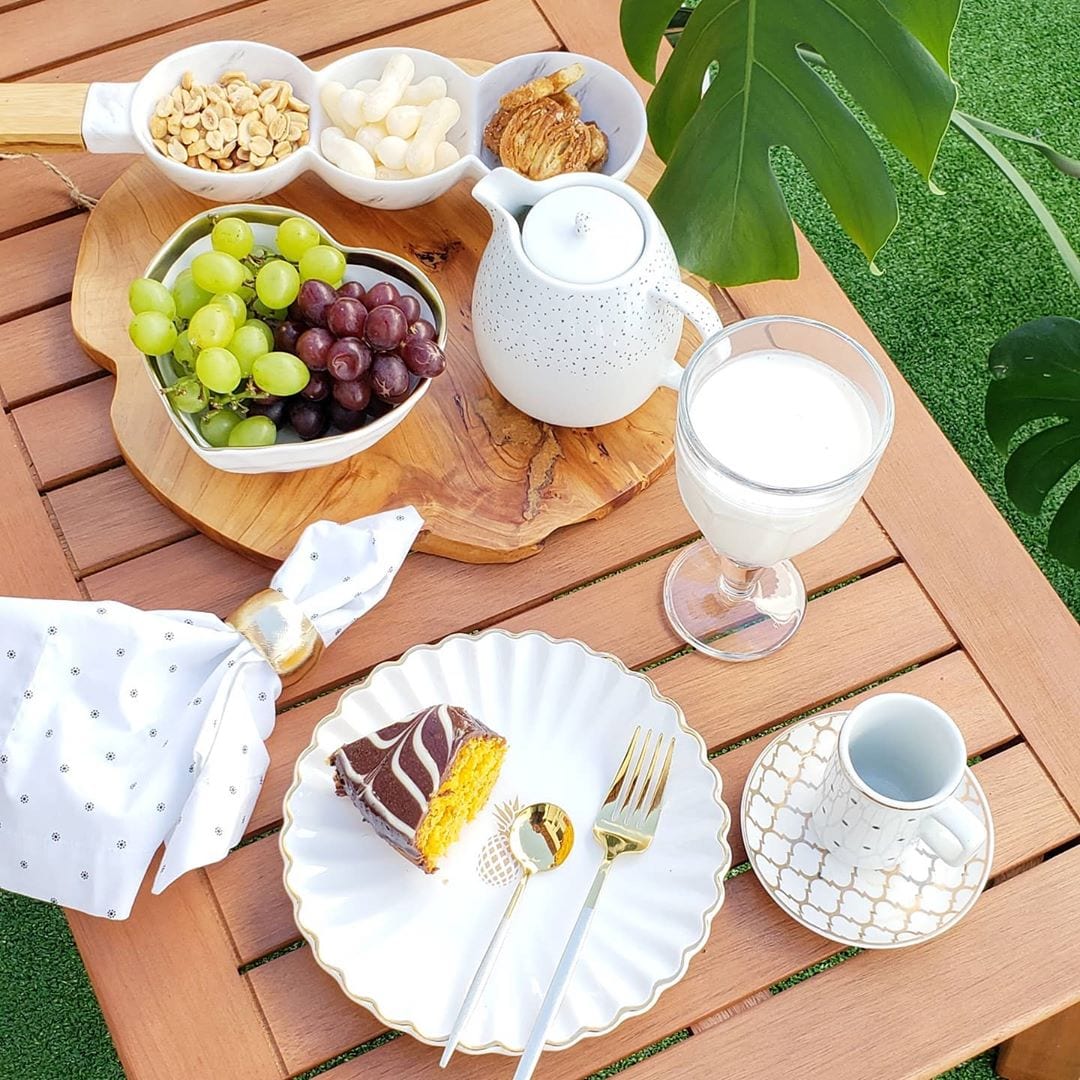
(538, 130)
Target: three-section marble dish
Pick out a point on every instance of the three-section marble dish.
(117, 116)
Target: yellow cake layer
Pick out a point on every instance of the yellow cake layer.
(461, 796)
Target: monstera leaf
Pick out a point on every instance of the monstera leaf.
(718, 198)
(1038, 369)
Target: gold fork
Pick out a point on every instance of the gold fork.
(625, 823)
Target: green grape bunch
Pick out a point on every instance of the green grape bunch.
(217, 323)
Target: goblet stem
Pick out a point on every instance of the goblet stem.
(737, 580)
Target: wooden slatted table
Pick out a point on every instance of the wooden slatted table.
(934, 593)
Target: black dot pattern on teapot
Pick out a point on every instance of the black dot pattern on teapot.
(608, 333)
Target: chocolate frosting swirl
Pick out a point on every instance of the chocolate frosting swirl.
(393, 774)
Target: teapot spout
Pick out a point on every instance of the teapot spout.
(506, 195)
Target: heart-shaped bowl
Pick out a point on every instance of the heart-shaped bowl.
(290, 453)
(117, 116)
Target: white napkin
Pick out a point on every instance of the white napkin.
(121, 728)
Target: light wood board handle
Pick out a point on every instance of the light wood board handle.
(42, 116)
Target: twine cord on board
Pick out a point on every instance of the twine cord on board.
(79, 198)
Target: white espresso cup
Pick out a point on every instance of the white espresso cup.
(892, 780)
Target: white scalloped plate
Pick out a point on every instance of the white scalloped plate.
(406, 944)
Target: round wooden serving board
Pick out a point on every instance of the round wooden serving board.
(491, 483)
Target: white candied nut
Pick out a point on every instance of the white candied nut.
(446, 153)
(346, 154)
(403, 120)
(439, 117)
(367, 85)
(383, 173)
(351, 107)
(391, 152)
(369, 137)
(396, 77)
(330, 96)
(425, 92)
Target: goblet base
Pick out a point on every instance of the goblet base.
(732, 620)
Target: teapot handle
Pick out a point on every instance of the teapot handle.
(697, 309)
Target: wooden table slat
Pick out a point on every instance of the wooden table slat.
(44, 197)
(273, 22)
(593, 29)
(252, 898)
(8, 5)
(39, 355)
(752, 946)
(432, 594)
(851, 638)
(765, 942)
(26, 48)
(39, 266)
(110, 517)
(193, 968)
(68, 434)
(495, 31)
(137, 523)
(193, 573)
(312, 1020)
(32, 559)
(434, 597)
(625, 614)
(924, 998)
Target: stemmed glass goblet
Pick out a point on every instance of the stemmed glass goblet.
(781, 423)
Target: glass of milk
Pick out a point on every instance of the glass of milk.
(781, 423)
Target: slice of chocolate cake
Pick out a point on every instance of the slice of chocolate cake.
(420, 780)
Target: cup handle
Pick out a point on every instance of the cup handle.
(697, 309)
(953, 833)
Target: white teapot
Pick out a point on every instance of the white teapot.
(578, 303)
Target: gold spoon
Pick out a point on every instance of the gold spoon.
(541, 836)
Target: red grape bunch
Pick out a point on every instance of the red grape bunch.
(366, 350)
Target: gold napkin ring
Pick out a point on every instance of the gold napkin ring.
(284, 635)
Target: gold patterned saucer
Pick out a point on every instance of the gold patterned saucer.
(916, 900)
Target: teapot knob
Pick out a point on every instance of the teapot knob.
(581, 223)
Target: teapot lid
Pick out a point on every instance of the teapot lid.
(583, 235)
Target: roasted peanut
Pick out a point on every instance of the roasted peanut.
(230, 123)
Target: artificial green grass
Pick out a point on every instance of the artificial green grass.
(960, 271)
(50, 1024)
